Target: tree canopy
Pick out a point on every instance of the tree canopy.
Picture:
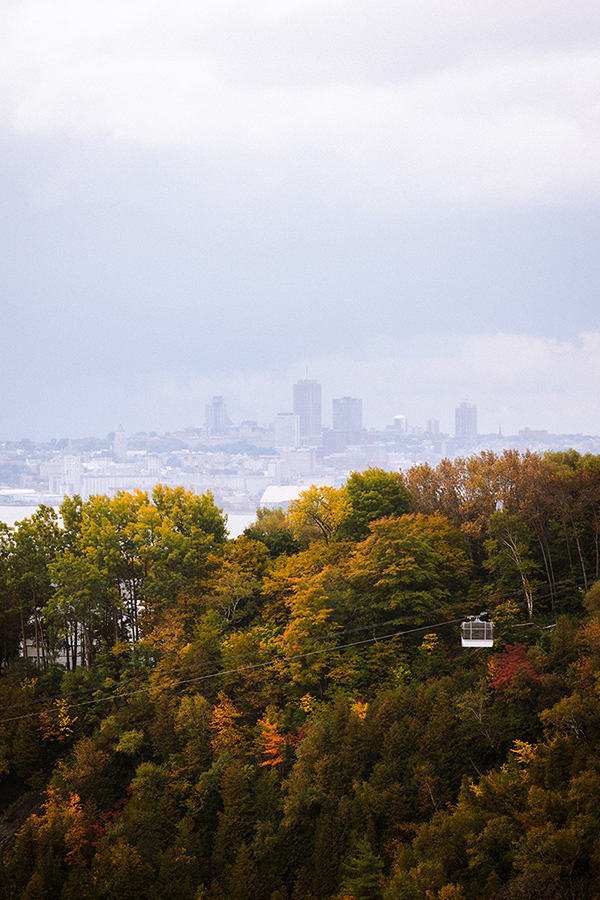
(183, 714)
(373, 494)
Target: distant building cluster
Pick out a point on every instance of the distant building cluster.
(248, 464)
(302, 427)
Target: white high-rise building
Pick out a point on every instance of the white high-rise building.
(120, 444)
(401, 424)
(71, 475)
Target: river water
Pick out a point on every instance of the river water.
(236, 522)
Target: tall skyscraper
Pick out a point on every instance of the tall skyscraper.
(347, 417)
(465, 421)
(307, 406)
(217, 420)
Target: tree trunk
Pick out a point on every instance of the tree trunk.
(24, 639)
(67, 654)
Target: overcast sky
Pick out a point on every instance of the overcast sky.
(208, 196)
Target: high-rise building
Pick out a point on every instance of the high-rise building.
(71, 475)
(120, 444)
(287, 430)
(465, 421)
(307, 406)
(217, 420)
(347, 417)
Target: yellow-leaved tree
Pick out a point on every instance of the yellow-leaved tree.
(319, 512)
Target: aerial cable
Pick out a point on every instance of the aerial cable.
(221, 672)
(191, 667)
(253, 666)
(195, 666)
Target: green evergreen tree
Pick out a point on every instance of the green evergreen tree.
(363, 873)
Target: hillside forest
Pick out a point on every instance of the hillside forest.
(290, 715)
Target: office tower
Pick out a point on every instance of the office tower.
(433, 426)
(287, 430)
(120, 444)
(217, 420)
(465, 421)
(347, 417)
(307, 406)
(401, 424)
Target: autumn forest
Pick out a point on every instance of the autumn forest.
(290, 715)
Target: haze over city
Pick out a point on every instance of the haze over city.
(202, 200)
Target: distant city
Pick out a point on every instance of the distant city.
(246, 465)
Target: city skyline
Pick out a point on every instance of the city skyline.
(407, 204)
(246, 466)
(243, 463)
(286, 426)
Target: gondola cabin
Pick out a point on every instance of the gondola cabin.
(477, 633)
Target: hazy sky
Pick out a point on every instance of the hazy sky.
(206, 196)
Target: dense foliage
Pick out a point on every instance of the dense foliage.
(289, 715)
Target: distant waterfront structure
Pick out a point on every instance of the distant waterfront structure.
(287, 430)
(217, 420)
(465, 421)
(277, 496)
(347, 417)
(120, 444)
(307, 406)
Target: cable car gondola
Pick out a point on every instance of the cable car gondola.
(477, 633)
